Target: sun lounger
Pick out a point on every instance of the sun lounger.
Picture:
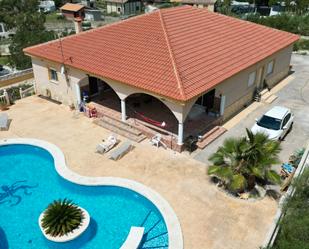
(4, 121)
(107, 145)
(121, 151)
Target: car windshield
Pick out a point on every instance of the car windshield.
(269, 123)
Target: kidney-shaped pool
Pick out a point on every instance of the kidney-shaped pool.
(29, 182)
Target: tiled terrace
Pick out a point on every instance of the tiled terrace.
(197, 122)
(209, 218)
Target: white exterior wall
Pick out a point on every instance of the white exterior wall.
(66, 92)
(236, 88)
(113, 8)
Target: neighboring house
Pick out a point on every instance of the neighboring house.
(93, 15)
(124, 7)
(88, 3)
(47, 6)
(74, 12)
(186, 64)
(209, 4)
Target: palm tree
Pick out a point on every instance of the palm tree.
(241, 161)
(61, 217)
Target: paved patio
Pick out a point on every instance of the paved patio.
(209, 218)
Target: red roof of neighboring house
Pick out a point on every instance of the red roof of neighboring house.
(72, 7)
(177, 53)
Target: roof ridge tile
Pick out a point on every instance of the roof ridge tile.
(179, 82)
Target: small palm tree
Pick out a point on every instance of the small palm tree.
(241, 161)
(61, 217)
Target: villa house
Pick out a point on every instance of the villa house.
(209, 4)
(124, 7)
(176, 70)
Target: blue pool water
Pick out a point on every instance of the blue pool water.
(29, 182)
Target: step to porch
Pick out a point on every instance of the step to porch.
(120, 128)
(267, 96)
(210, 136)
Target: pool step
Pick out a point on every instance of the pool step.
(153, 235)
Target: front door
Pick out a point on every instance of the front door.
(260, 78)
(209, 99)
(93, 86)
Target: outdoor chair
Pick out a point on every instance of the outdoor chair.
(121, 151)
(4, 121)
(107, 145)
(157, 140)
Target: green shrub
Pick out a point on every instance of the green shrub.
(297, 24)
(293, 232)
(61, 217)
(302, 44)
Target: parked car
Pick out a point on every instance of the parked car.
(276, 123)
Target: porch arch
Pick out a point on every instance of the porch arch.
(98, 84)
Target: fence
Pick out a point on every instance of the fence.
(273, 231)
(27, 92)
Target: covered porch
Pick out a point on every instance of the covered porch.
(153, 114)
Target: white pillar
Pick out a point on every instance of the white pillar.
(21, 92)
(78, 94)
(123, 110)
(7, 98)
(180, 134)
(222, 105)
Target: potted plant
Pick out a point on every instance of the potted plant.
(63, 221)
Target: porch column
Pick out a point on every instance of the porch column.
(222, 105)
(123, 110)
(180, 134)
(78, 94)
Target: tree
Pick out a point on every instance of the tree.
(241, 162)
(23, 16)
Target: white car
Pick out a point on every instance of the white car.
(275, 123)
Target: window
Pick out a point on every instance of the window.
(286, 120)
(252, 77)
(53, 75)
(270, 67)
(119, 10)
(269, 122)
(137, 8)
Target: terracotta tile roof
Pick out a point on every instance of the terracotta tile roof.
(177, 53)
(72, 7)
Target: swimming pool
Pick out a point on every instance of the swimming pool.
(29, 182)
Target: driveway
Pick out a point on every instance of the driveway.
(295, 95)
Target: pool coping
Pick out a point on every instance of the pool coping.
(175, 237)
